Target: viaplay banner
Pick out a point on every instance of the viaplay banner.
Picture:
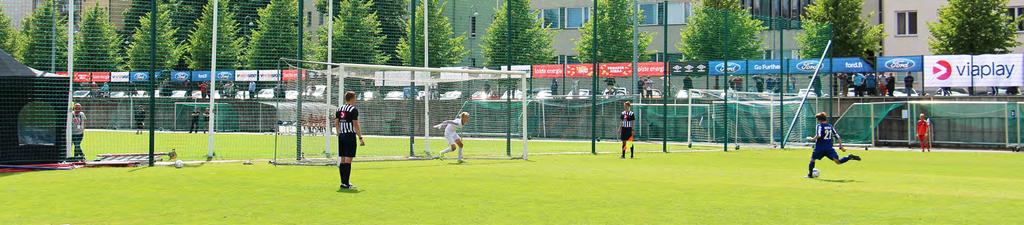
(967, 71)
(119, 76)
(246, 75)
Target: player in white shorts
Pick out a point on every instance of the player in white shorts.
(450, 133)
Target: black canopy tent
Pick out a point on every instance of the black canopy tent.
(32, 114)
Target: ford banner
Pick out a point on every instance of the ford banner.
(181, 76)
(848, 65)
(806, 66)
(735, 67)
(764, 66)
(899, 64)
(967, 71)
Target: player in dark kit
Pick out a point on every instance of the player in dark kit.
(346, 122)
(823, 144)
(626, 130)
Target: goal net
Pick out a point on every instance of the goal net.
(398, 109)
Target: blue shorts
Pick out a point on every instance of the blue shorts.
(830, 153)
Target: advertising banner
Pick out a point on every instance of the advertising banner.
(226, 75)
(119, 77)
(849, 65)
(139, 77)
(764, 66)
(735, 67)
(102, 77)
(579, 70)
(650, 69)
(806, 66)
(689, 68)
(967, 71)
(615, 70)
(181, 76)
(246, 75)
(201, 76)
(548, 71)
(899, 64)
(270, 75)
(291, 75)
(82, 77)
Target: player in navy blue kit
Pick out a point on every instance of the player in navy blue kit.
(626, 130)
(824, 134)
(346, 121)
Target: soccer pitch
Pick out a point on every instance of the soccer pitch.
(742, 187)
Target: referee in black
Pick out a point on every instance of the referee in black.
(346, 121)
(626, 130)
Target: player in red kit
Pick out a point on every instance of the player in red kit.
(923, 127)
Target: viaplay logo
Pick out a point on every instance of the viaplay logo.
(900, 64)
(943, 70)
(733, 67)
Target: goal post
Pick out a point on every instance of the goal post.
(399, 107)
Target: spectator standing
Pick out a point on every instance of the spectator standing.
(687, 83)
(203, 89)
(871, 83)
(640, 88)
(195, 120)
(844, 84)
(858, 85)
(206, 116)
(908, 83)
(105, 90)
(252, 89)
(554, 87)
(883, 86)
(140, 119)
(649, 87)
(78, 129)
(890, 82)
(758, 83)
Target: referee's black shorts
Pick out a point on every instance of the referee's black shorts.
(347, 145)
(626, 133)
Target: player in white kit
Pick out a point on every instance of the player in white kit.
(450, 133)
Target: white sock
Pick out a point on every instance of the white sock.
(446, 150)
(460, 153)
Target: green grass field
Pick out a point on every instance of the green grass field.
(744, 187)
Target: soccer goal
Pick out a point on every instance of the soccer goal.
(398, 110)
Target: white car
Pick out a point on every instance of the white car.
(140, 94)
(394, 95)
(517, 95)
(118, 94)
(178, 94)
(902, 91)
(367, 95)
(682, 94)
(81, 94)
(265, 93)
(451, 95)
(481, 95)
(542, 94)
(957, 92)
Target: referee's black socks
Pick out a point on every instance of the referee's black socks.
(345, 169)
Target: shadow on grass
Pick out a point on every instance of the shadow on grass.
(449, 163)
(837, 180)
(349, 191)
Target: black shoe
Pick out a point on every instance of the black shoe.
(345, 186)
(622, 157)
(854, 157)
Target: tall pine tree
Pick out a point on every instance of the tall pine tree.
(246, 15)
(391, 14)
(97, 44)
(531, 42)
(721, 29)
(8, 36)
(201, 39)
(614, 32)
(45, 45)
(275, 35)
(357, 34)
(167, 50)
(973, 27)
(858, 37)
(446, 49)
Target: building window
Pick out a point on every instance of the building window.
(678, 12)
(473, 60)
(321, 19)
(906, 23)
(576, 17)
(309, 19)
(551, 18)
(1015, 13)
(649, 13)
(472, 27)
(768, 54)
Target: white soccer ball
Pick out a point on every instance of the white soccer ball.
(179, 164)
(815, 173)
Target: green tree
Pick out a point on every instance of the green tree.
(391, 14)
(275, 35)
(858, 37)
(45, 42)
(201, 40)
(531, 42)
(131, 18)
(246, 15)
(446, 49)
(357, 34)
(973, 27)
(167, 50)
(97, 44)
(8, 36)
(721, 29)
(615, 34)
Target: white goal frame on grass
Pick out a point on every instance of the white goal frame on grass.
(342, 73)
